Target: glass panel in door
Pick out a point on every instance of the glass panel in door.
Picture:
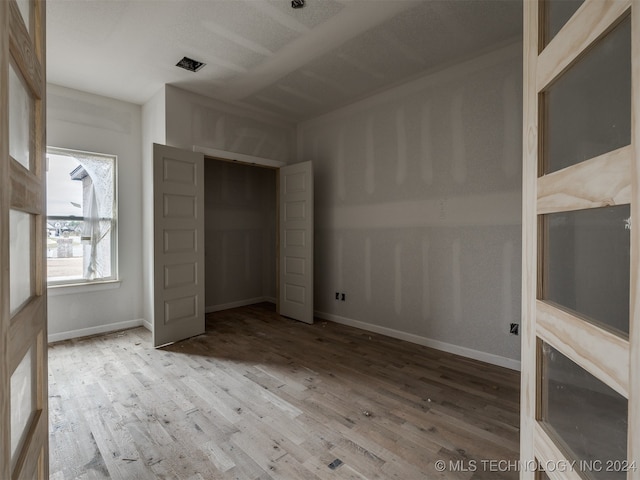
(23, 401)
(587, 111)
(556, 14)
(21, 283)
(587, 264)
(588, 417)
(20, 111)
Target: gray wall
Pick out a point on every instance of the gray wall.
(186, 120)
(153, 131)
(194, 120)
(240, 234)
(83, 121)
(418, 194)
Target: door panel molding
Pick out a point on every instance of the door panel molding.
(28, 195)
(600, 182)
(24, 328)
(575, 337)
(23, 51)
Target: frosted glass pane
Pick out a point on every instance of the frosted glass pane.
(557, 14)
(589, 417)
(588, 109)
(587, 263)
(20, 284)
(23, 401)
(20, 108)
(25, 9)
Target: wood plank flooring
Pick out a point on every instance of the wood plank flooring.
(263, 397)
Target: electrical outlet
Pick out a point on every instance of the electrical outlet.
(337, 296)
(343, 297)
(514, 329)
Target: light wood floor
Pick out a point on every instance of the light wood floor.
(260, 396)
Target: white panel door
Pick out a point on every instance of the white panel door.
(296, 242)
(178, 205)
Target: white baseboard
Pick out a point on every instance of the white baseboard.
(147, 325)
(86, 332)
(239, 303)
(427, 342)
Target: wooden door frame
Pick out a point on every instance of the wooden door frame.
(24, 190)
(618, 364)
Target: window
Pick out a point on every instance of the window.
(81, 217)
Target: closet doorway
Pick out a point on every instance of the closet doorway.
(240, 202)
(182, 256)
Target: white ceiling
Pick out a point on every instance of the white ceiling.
(262, 53)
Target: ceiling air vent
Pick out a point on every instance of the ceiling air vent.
(297, 3)
(190, 64)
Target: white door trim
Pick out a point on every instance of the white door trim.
(238, 157)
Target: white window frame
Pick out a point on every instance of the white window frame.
(114, 277)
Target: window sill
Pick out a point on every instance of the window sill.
(74, 288)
